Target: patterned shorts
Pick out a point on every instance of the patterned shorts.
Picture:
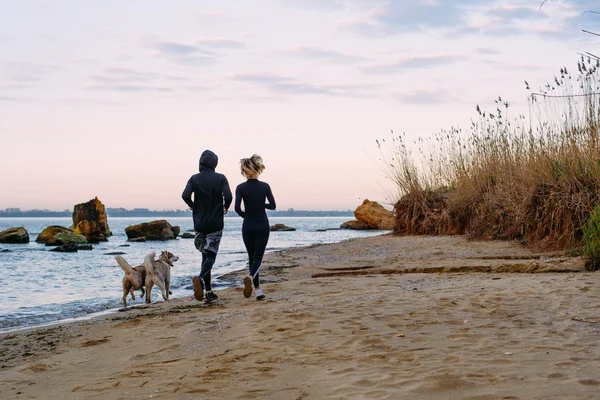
(208, 241)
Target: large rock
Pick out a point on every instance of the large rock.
(89, 220)
(14, 235)
(58, 235)
(375, 215)
(281, 227)
(155, 230)
(65, 237)
(355, 225)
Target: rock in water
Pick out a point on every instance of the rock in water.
(155, 230)
(66, 248)
(58, 235)
(355, 225)
(89, 220)
(375, 215)
(281, 227)
(66, 237)
(188, 235)
(14, 235)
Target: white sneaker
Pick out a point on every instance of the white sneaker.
(260, 294)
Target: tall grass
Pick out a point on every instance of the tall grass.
(527, 178)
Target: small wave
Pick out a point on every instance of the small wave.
(25, 317)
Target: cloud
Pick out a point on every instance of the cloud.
(317, 53)
(198, 88)
(404, 16)
(130, 80)
(14, 99)
(511, 14)
(27, 73)
(424, 97)
(174, 48)
(281, 85)
(314, 5)
(486, 50)
(411, 63)
(221, 43)
(127, 88)
(94, 102)
(188, 54)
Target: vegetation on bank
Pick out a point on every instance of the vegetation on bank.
(534, 178)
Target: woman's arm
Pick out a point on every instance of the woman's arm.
(238, 202)
(271, 200)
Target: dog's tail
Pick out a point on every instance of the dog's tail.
(148, 262)
(125, 265)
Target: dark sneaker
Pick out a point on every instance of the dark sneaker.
(198, 288)
(210, 296)
(247, 286)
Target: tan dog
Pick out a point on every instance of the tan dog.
(134, 279)
(158, 272)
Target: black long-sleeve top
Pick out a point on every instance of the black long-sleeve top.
(254, 193)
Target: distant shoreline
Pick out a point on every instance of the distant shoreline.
(142, 213)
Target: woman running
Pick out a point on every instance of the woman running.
(255, 229)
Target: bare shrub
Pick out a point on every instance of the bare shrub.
(533, 179)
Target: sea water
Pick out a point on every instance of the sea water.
(38, 286)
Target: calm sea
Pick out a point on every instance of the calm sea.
(38, 287)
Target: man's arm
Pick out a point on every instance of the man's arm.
(187, 194)
(227, 197)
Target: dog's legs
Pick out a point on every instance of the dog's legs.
(168, 288)
(149, 285)
(126, 289)
(163, 290)
(132, 293)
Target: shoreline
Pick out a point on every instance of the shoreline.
(375, 334)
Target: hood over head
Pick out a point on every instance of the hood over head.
(208, 160)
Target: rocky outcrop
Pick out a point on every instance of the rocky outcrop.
(89, 220)
(355, 225)
(65, 237)
(375, 215)
(155, 230)
(282, 227)
(58, 235)
(14, 235)
(188, 235)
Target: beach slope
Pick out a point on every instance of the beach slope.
(353, 333)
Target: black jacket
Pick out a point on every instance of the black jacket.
(211, 194)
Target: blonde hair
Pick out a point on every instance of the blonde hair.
(252, 167)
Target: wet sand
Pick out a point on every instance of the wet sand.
(377, 318)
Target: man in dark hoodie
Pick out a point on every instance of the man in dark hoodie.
(212, 198)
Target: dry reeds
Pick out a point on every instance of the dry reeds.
(536, 180)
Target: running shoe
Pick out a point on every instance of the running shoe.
(260, 294)
(210, 296)
(247, 286)
(198, 288)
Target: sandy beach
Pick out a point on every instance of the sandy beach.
(376, 318)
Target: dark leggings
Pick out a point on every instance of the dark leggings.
(208, 260)
(255, 239)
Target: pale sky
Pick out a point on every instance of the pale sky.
(118, 98)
